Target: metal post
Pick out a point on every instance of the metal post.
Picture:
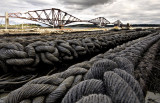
(53, 18)
(6, 20)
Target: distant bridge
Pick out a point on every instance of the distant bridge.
(55, 17)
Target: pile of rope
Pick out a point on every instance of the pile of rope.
(9, 82)
(29, 39)
(144, 68)
(154, 77)
(26, 40)
(106, 78)
(15, 57)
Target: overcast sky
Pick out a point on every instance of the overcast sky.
(132, 11)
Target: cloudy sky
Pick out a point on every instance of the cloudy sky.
(132, 11)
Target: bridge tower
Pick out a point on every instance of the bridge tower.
(100, 21)
(117, 23)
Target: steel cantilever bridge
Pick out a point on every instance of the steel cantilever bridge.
(55, 17)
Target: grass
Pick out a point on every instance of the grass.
(19, 26)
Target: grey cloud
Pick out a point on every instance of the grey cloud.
(133, 11)
(37, 2)
(83, 4)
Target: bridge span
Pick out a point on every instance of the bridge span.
(55, 17)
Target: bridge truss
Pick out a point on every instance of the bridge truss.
(100, 21)
(56, 18)
(51, 17)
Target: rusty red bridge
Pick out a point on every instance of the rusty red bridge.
(56, 17)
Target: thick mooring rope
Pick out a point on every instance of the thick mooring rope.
(19, 58)
(15, 84)
(102, 79)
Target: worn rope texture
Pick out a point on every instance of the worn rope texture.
(118, 50)
(144, 68)
(10, 82)
(16, 57)
(95, 98)
(131, 52)
(30, 39)
(117, 89)
(59, 35)
(85, 64)
(119, 85)
(153, 82)
(123, 49)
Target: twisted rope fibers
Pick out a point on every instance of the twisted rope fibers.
(11, 82)
(78, 72)
(30, 39)
(145, 66)
(18, 58)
